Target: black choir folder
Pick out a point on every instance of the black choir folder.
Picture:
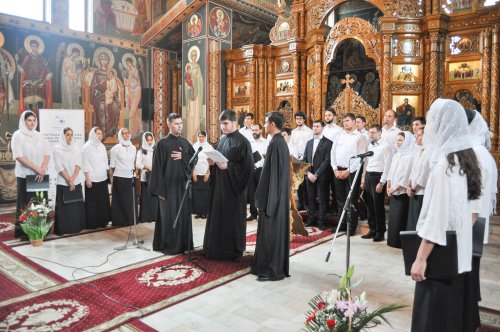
(72, 196)
(33, 186)
(442, 263)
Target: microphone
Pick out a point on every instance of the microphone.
(198, 152)
(363, 155)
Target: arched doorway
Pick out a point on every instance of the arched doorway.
(350, 58)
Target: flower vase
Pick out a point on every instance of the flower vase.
(37, 243)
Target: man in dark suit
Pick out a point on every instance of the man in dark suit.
(317, 153)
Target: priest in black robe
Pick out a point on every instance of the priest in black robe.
(272, 199)
(225, 232)
(167, 182)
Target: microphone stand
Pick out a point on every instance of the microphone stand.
(347, 210)
(137, 243)
(187, 190)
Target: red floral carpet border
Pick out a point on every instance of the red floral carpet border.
(145, 287)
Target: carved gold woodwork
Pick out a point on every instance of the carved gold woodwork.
(229, 85)
(495, 58)
(406, 47)
(353, 28)
(434, 67)
(284, 29)
(349, 101)
(485, 107)
(318, 10)
(214, 91)
(297, 171)
(385, 101)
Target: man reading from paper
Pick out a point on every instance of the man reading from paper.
(272, 198)
(168, 178)
(226, 223)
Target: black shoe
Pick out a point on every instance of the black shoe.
(379, 238)
(369, 235)
(251, 217)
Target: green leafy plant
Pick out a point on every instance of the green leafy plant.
(35, 219)
(338, 311)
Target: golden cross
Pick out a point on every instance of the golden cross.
(348, 80)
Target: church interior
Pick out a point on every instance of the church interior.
(198, 58)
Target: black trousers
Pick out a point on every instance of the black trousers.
(375, 203)
(319, 188)
(302, 195)
(252, 185)
(342, 188)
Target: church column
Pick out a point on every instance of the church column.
(486, 89)
(160, 88)
(303, 82)
(386, 74)
(434, 67)
(318, 64)
(261, 81)
(495, 58)
(270, 85)
(229, 85)
(251, 71)
(296, 83)
(435, 6)
(442, 57)
(175, 85)
(427, 73)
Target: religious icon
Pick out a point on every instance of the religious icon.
(405, 73)
(284, 31)
(405, 107)
(60, 14)
(132, 81)
(70, 64)
(285, 66)
(370, 91)
(242, 89)
(7, 70)
(464, 71)
(193, 92)
(219, 22)
(35, 81)
(194, 25)
(284, 87)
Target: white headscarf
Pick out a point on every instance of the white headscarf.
(22, 124)
(93, 137)
(122, 140)
(408, 144)
(447, 130)
(145, 146)
(206, 146)
(478, 130)
(62, 141)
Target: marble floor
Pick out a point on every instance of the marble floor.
(246, 304)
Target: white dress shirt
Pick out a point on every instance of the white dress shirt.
(247, 132)
(331, 131)
(122, 160)
(389, 136)
(95, 161)
(260, 145)
(142, 160)
(293, 150)
(299, 138)
(381, 160)
(366, 134)
(400, 172)
(417, 170)
(316, 140)
(34, 147)
(445, 208)
(346, 146)
(67, 160)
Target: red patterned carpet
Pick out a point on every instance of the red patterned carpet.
(142, 288)
(7, 221)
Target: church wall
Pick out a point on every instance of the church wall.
(56, 45)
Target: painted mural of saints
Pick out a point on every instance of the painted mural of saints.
(194, 25)
(132, 81)
(7, 70)
(35, 80)
(71, 71)
(193, 93)
(219, 22)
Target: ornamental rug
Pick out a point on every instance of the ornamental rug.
(490, 320)
(7, 226)
(144, 287)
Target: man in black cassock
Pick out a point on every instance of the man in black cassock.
(225, 233)
(168, 178)
(272, 199)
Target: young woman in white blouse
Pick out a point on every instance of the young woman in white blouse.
(397, 181)
(70, 210)
(122, 164)
(144, 163)
(95, 168)
(32, 154)
(201, 178)
(455, 179)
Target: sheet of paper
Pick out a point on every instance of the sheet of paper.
(216, 156)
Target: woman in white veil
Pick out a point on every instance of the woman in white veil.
(31, 153)
(201, 176)
(455, 178)
(144, 164)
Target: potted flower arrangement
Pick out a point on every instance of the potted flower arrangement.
(339, 311)
(35, 220)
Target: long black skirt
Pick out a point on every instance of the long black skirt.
(414, 212)
(442, 305)
(149, 205)
(122, 203)
(23, 198)
(201, 196)
(97, 207)
(70, 217)
(398, 216)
